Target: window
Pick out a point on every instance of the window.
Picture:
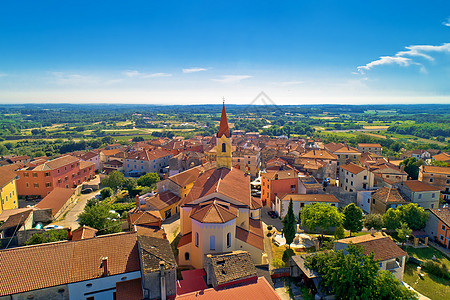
(26, 184)
(351, 183)
(443, 227)
(228, 239)
(352, 175)
(196, 239)
(432, 195)
(212, 242)
(59, 180)
(302, 204)
(441, 237)
(431, 179)
(47, 174)
(432, 205)
(25, 174)
(186, 256)
(420, 196)
(36, 185)
(365, 177)
(34, 174)
(48, 184)
(224, 147)
(72, 166)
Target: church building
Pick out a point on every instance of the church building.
(219, 214)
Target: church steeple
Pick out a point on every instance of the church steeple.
(223, 150)
(223, 128)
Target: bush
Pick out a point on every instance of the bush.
(106, 192)
(287, 254)
(92, 202)
(436, 268)
(278, 263)
(47, 237)
(339, 233)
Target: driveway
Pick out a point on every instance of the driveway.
(269, 221)
(71, 219)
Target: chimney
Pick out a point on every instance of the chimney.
(138, 203)
(163, 280)
(105, 266)
(69, 234)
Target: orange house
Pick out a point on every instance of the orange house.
(65, 172)
(438, 225)
(275, 183)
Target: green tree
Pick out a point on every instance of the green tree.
(353, 275)
(47, 237)
(148, 179)
(339, 233)
(289, 224)
(100, 218)
(391, 219)
(115, 180)
(374, 221)
(320, 215)
(353, 218)
(412, 165)
(108, 140)
(130, 184)
(106, 192)
(416, 217)
(137, 139)
(403, 232)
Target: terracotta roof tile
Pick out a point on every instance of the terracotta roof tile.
(152, 251)
(260, 290)
(283, 174)
(369, 145)
(311, 198)
(442, 157)
(56, 199)
(214, 211)
(6, 176)
(83, 232)
(319, 154)
(352, 168)
(59, 162)
(184, 178)
(419, 186)
(60, 263)
(185, 239)
(436, 170)
(232, 183)
(161, 200)
(16, 220)
(383, 247)
(442, 213)
(388, 195)
(230, 267)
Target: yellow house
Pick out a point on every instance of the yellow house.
(8, 190)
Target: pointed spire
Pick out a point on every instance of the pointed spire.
(223, 128)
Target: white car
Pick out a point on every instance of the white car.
(51, 226)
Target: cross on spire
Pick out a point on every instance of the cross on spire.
(223, 99)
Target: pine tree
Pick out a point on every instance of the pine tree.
(289, 224)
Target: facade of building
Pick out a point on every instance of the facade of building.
(370, 148)
(248, 160)
(8, 190)
(300, 200)
(437, 176)
(353, 178)
(146, 161)
(438, 225)
(385, 198)
(65, 172)
(423, 194)
(275, 183)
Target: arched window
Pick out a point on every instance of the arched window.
(276, 176)
(228, 239)
(224, 147)
(186, 256)
(196, 239)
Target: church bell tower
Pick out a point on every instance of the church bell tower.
(223, 149)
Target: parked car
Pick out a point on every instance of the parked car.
(273, 214)
(52, 226)
(87, 191)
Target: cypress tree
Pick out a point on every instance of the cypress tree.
(289, 223)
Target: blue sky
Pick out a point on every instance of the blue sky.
(182, 52)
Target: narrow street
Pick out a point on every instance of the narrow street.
(71, 219)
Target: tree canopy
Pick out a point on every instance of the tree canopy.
(115, 180)
(374, 221)
(100, 217)
(355, 275)
(353, 218)
(412, 167)
(415, 217)
(320, 215)
(148, 179)
(289, 225)
(47, 237)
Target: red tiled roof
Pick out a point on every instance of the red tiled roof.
(232, 183)
(214, 211)
(46, 265)
(145, 217)
(383, 247)
(223, 128)
(419, 186)
(389, 195)
(185, 239)
(83, 232)
(260, 290)
(193, 280)
(311, 198)
(284, 174)
(442, 213)
(442, 157)
(184, 178)
(319, 154)
(250, 238)
(369, 145)
(88, 155)
(56, 199)
(59, 162)
(437, 170)
(352, 168)
(162, 200)
(6, 176)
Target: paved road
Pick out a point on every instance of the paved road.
(71, 219)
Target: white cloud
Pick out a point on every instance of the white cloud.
(193, 70)
(399, 58)
(62, 78)
(135, 73)
(446, 22)
(155, 75)
(289, 83)
(231, 78)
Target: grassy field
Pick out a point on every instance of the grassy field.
(427, 253)
(428, 285)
